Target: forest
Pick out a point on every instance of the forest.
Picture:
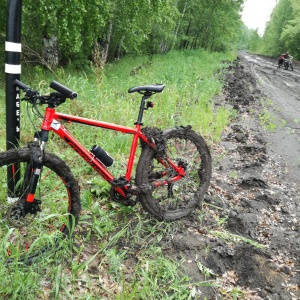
(76, 32)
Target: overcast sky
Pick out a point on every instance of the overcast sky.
(257, 13)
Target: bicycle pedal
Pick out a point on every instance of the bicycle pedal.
(119, 182)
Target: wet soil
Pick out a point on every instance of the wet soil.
(254, 191)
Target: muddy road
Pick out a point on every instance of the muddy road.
(282, 88)
(254, 198)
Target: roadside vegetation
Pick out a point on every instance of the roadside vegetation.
(281, 34)
(94, 265)
(60, 33)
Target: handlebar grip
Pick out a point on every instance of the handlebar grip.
(63, 89)
(21, 85)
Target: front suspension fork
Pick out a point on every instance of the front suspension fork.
(31, 203)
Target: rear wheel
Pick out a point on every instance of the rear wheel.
(26, 236)
(174, 200)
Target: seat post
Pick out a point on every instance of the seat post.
(146, 96)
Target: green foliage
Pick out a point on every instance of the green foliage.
(283, 30)
(249, 39)
(243, 38)
(254, 41)
(132, 24)
(161, 37)
(209, 24)
(74, 23)
(192, 79)
(101, 31)
(291, 32)
(235, 239)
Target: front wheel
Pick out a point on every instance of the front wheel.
(174, 199)
(24, 236)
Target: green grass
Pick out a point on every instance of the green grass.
(192, 79)
(123, 245)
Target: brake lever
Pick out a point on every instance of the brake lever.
(31, 100)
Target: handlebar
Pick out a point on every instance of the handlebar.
(21, 85)
(53, 100)
(63, 89)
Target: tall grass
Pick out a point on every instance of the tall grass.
(192, 79)
(117, 251)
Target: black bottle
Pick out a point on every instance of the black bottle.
(101, 155)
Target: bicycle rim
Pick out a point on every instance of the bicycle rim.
(26, 237)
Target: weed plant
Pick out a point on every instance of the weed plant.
(117, 251)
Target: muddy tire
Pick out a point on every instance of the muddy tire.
(178, 199)
(26, 237)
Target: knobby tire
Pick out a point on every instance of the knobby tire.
(24, 238)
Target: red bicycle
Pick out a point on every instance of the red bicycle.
(40, 198)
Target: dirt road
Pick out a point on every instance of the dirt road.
(254, 193)
(282, 88)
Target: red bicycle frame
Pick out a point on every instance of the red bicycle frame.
(51, 123)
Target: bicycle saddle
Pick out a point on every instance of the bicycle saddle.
(153, 88)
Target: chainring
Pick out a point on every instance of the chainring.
(115, 196)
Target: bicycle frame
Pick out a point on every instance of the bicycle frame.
(121, 185)
(51, 123)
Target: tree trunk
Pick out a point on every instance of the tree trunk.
(107, 42)
(50, 53)
(120, 46)
(179, 23)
